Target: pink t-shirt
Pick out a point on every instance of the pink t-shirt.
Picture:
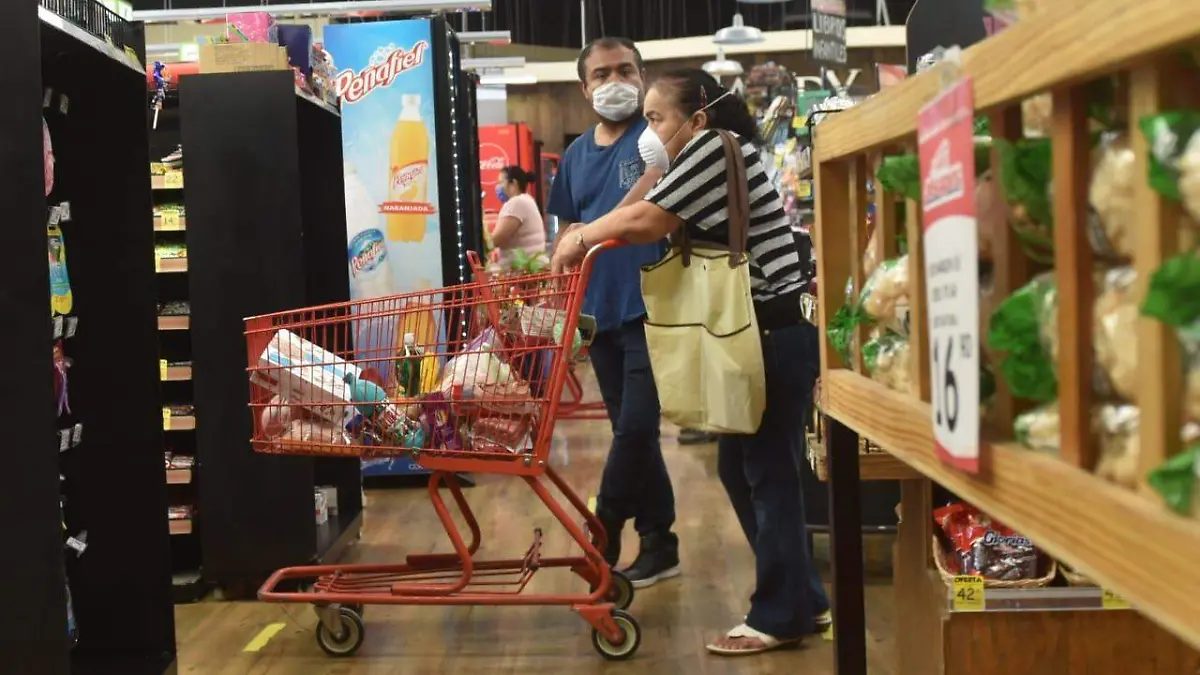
(531, 233)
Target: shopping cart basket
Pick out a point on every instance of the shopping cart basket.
(446, 378)
(573, 407)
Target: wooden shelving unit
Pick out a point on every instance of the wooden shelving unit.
(1126, 540)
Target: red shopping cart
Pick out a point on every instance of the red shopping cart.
(452, 379)
(573, 407)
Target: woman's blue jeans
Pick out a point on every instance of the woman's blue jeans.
(761, 474)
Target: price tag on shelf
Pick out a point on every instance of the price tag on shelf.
(173, 180)
(170, 220)
(58, 326)
(166, 418)
(64, 212)
(162, 369)
(804, 189)
(1110, 600)
(78, 543)
(64, 440)
(969, 593)
(157, 262)
(72, 326)
(64, 104)
(77, 434)
(945, 133)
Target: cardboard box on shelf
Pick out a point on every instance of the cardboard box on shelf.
(242, 57)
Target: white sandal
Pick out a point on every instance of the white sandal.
(743, 631)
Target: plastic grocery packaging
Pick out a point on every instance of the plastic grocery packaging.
(887, 359)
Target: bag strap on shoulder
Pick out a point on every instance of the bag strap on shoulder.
(738, 197)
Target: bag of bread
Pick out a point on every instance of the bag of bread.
(884, 298)
(887, 358)
(1178, 481)
(1025, 174)
(1015, 334)
(1173, 297)
(1174, 139)
(1112, 222)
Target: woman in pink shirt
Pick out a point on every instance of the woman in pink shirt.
(520, 224)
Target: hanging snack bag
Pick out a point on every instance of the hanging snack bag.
(61, 300)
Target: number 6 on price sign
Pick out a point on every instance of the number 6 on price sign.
(945, 131)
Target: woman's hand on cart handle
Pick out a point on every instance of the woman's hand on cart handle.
(575, 249)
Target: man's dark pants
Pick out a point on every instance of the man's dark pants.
(635, 484)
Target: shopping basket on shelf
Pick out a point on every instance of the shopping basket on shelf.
(455, 379)
(573, 407)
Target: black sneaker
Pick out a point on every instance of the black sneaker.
(657, 560)
(612, 527)
(695, 437)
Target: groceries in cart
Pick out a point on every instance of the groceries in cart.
(320, 400)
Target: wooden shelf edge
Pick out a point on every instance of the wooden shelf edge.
(180, 526)
(158, 227)
(172, 265)
(179, 476)
(1068, 42)
(182, 423)
(1131, 545)
(174, 322)
(178, 374)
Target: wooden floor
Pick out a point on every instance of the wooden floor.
(677, 617)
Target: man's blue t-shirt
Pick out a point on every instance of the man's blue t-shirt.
(592, 180)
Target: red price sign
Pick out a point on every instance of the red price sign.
(945, 131)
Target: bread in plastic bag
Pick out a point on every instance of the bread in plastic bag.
(884, 296)
(887, 358)
(1114, 332)
(1174, 141)
(1173, 297)
(1178, 481)
(1113, 226)
(1116, 426)
(1189, 177)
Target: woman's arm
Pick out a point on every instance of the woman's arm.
(505, 231)
(640, 223)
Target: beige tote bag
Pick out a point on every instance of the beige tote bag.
(702, 334)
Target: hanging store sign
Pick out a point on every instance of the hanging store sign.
(829, 32)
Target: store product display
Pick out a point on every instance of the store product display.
(174, 160)
(984, 547)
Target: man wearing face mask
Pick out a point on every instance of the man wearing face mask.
(599, 172)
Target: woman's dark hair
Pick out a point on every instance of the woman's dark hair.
(693, 89)
(518, 174)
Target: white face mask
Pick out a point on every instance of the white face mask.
(616, 101)
(652, 148)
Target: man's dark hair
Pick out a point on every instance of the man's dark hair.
(607, 43)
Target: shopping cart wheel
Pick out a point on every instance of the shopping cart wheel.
(620, 591)
(357, 609)
(348, 638)
(628, 647)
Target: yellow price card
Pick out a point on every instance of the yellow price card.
(173, 180)
(1111, 600)
(166, 418)
(157, 262)
(969, 593)
(162, 369)
(170, 220)
(804, 189)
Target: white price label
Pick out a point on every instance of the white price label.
(58, 326)
(64, 212)
(945, 133)
(72, 325)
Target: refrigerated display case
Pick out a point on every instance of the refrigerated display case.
(502, 145)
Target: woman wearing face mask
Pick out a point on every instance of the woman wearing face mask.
(520, 223)
(760, 472)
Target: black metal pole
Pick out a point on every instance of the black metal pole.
(846, 551)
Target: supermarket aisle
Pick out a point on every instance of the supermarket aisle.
(677, 617)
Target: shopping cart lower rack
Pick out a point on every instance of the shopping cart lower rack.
(460, 379)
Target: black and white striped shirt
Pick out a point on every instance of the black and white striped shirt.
(695, 188)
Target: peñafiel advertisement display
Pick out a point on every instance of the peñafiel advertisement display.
(389, 114)
(387, 77)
